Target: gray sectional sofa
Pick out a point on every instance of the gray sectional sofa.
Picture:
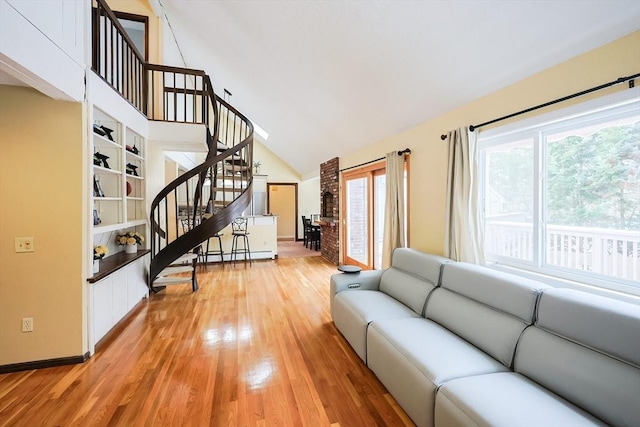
(462, 345)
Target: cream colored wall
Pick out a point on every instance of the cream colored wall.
(282, 204)
(272, 165)
(42, 194)
(279, 171)
(429, 153)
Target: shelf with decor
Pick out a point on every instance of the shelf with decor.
(107, 155)
(135, 172)
(118, 170)
(118, 182)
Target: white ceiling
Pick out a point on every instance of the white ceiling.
(326, 78)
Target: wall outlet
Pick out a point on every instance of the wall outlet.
(27, 324)
(24, 244)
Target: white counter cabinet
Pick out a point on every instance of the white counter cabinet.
(115, 291)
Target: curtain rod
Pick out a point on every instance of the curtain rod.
(630, 79)
(400, 153)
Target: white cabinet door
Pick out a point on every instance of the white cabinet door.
(102, 308)
(137, 282)
(120, 308)
(115, 295)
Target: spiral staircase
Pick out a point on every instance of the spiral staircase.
(216, 191)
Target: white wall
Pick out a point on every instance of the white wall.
(43, 44)
(170, 52)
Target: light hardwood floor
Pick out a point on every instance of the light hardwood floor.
(255, 346)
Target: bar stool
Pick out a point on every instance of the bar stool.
(214, 252)
(239, 228)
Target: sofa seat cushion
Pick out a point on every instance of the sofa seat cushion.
(412, 357)
(437, 353)
(354, 310)
(505, 399)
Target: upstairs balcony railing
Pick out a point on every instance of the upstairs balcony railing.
(115, 57)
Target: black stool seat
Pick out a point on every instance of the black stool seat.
(214, 252)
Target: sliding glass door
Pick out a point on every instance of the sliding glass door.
(357, 232)
(364, 191)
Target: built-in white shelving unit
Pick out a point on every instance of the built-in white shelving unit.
(118, 204)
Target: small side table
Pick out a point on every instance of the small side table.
(349, 269)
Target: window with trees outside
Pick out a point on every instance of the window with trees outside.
(561, 193)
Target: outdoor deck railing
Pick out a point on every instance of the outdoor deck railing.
(614, 253)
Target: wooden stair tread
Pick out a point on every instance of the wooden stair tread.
(236, 168)
(163, 281)
(186, 257)
(228, 189)
(230, 178)
(176, 270)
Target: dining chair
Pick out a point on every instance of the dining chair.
(305, 231)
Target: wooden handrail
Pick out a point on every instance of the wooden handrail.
(171, 69)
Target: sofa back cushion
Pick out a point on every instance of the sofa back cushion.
(488, 308)
(586, 348)
(603, 324)
(411, 277)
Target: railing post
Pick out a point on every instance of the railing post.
(597, 254)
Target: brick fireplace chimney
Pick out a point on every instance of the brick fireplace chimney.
(330, 210)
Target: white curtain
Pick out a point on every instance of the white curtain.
(463, 232)
(394, 207)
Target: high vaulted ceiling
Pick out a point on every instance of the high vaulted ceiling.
(325, 78)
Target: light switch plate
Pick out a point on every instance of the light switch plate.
(24, 244)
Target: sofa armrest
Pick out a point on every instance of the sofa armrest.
(368, 280)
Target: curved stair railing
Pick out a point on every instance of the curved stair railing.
(201, 202)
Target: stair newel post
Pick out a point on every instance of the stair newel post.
(233, 132)
(166, 223)
(152, 240)
(212, 189)
(197, 202)
(250, 162)
(214, 182)
(205, 103)
(176, 210)
(188, 193)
